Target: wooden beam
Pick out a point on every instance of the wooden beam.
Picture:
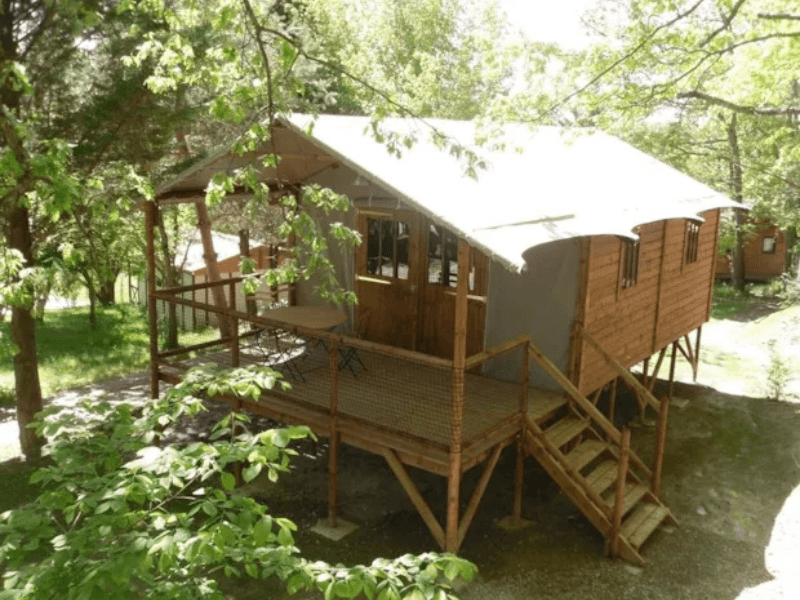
(575, 352)
(457, 397)
(659, 289)
(651, 384)
(333, 446)
(619, 495)
(475, 500)
(626, 375)
(152, 309)
(204, 225)
(713, 267)
(672, 369)
(506, 346)
(661, 443)
(416, 498)
(696, 364)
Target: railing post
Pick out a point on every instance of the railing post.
(234, 326)
(519, 474)
(333, 447)
(619, 495)
(661, 442)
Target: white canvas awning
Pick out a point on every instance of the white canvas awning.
(538, 186)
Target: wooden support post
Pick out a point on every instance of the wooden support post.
(234, 324)
(619, 496)
(416, 498)
(519, 473)
(475, 500)
(204, 225)
(672, 369)
(612, 400)
(152, 315)
(661, 443)
(457, 398)
(273, 264)
(654, 375)
(696, 364)
(645, 369)
(333, 447)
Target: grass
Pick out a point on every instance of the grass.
(729, 302)
(72, 354)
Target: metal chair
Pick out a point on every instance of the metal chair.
(349, 358)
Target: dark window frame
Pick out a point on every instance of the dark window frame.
(388, 239)
(691, 242)
(774, 248)
(629, 259)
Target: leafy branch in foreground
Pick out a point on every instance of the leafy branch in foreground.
(120, 517)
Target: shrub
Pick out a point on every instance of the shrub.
(120, 517)
(778, 373)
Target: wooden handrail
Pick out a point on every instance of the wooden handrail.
(501, 348)
(211, 284)
(534, 429)
(594, 413)
(619, 494)
(622, 371)
(561, 379)
(343, 340)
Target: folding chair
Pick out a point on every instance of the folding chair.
(349, 358)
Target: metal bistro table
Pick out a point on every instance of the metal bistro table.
(293, 354)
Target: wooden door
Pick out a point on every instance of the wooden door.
(436, 323)
(387, 276)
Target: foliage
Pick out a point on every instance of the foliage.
(789, 293)
(779, 373)
(120, 517)
(72, 354)
(7, 396)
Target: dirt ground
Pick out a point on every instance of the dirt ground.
(731, 462)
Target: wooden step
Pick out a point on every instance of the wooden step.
(633, 493)
(585, 453)
(603, 476)
(565, 430)
(644, 521)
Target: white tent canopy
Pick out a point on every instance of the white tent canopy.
(538, 186)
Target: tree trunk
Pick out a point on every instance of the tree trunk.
(170, 280)
(92, 300)
(244, 250)
(790, 235)
(106, 293)
(737, 264)
(23, 335)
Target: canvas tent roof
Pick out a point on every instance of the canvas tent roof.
(538, 186)
(225, 245)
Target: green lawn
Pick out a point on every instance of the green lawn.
(72, 354)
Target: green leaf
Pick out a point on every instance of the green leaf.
(228, 481)
(252, 472)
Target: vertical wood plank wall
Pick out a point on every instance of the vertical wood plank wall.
(669, 299)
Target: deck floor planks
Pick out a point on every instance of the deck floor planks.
(402, 397)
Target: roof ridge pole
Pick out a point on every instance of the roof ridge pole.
(210, 258)
(457, 397)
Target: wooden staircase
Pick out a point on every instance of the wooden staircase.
(587, 469)
(591, 461)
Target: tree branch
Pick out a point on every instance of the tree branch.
(622, 59)
(726, 22)
(779, 16)
(789, 111)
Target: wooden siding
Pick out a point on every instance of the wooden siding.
(669, 299)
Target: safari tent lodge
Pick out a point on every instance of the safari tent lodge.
(492, 310)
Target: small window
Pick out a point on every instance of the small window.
(691, 242)
(442, 256)
(629, 267)
(387, 248)
(768, 245)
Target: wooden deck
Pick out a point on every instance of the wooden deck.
(394, 404)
